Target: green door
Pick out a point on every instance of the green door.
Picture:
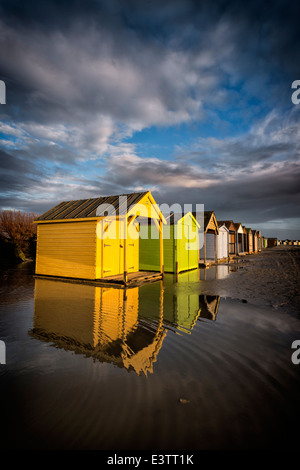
(187, 247)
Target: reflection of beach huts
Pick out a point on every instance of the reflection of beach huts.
(180, 244)
(95, 238)
(208, 238)
(105, 323)
(209, 306)
(223, 241)
(183, 304)
(214, 272)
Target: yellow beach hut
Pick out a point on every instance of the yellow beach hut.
(97, 239)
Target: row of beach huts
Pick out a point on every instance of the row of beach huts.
(127, 240)
(289, 242)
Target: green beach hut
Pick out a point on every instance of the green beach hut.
(180, 244)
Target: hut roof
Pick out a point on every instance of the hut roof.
(210, 221)
(89, 208)
(221, 224)
(228, 223)
(176, 217)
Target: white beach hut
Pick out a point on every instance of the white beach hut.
(222, 242)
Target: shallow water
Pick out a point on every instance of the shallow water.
(156, 367)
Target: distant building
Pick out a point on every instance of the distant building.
(272, 242)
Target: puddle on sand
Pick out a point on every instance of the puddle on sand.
(154, 367)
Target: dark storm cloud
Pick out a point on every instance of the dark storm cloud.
(82, 76)
(88, 55)
(249, 201)
(15, 173)
(268, 193)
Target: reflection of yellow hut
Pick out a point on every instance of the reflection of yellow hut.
(101, 322)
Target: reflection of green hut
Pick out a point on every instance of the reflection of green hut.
(185, 310)
(181, 244)
(181, 303)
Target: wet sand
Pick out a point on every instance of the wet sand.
(270, 278)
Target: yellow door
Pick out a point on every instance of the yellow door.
(111, 248)
(132, 248)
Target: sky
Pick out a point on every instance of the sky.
(191, 100)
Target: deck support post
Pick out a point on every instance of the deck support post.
(204, 246)
(125, 275)
(216, 254)
(161, 248)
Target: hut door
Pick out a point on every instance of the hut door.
(232, 243)
(132, 248)
(111, 248)
(240, 243)
(192, 246)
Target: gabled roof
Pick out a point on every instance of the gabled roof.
(228, 223)
(175, 218)
(223, 226)
(91, 208)
(210, 221)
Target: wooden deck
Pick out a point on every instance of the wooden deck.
(134, 279)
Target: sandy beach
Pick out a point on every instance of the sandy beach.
(270, 278)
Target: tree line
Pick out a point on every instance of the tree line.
(17, 233)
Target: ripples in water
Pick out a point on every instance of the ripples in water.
(156, 367)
